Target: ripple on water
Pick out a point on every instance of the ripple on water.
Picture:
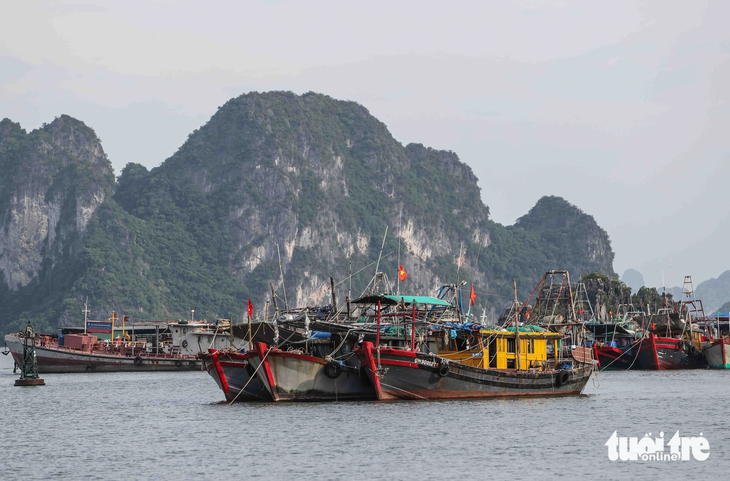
(176, 426)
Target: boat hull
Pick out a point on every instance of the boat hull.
(291, 376)
(59, 360)
(717, 354)
(666, 353)
(233, 374)
(418, 376)
(614, 359)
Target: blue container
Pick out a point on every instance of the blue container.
(60, 340)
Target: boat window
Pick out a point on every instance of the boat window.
(530, 346)
(510, 345)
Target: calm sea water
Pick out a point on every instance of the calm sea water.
(174, 426)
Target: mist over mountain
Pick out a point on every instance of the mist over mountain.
(633, 278)
(714, 292)
(314, 179)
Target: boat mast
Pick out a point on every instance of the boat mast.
(86, 314)
(334, 296)
(114, 321)
(517, 325)
(377, 266)
(397, 289)
(273, 298)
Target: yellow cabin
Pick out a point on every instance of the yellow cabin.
(497, 349)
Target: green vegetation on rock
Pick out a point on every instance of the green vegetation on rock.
(318, 177)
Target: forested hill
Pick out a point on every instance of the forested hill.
(319, 177)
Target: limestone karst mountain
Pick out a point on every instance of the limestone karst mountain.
(319, 177)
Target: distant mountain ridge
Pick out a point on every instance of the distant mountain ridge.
(714, 292)
(319, 177)
(634, 279)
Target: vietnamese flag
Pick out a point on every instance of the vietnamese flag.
(473, 295)
(402, 275)
(250, 308)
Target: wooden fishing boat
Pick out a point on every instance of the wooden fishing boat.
(717, 353)
(660, 353)
(613, 358)
(235, 375)
(295, 376)
(614, 346)
(674, 339)
(494, 367)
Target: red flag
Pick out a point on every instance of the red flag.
(402, 276)
(250, 308)
(527, 314)
(473, 295)
(580, 311)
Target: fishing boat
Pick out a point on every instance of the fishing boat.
(290, 362)
(615, 344)
(658, 353)
(466, 361)
(673, 340)
(309, 355)
(717, 353)
(234, 375)
(717, 348)
(171, 346)
(295, 376)
(492, 370)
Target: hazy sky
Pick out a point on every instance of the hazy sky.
(620, 107)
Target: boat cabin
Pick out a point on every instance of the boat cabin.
(498, 349)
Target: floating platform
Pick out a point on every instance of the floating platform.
(30, 382)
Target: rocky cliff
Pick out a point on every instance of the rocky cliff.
(315, 179)
(53, 180)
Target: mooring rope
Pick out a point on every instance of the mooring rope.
(626, 351)
(252, 376)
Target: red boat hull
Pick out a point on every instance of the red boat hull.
(666, 353)
(613, 358)
(235, 375)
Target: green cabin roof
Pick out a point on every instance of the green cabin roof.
(393, 300)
